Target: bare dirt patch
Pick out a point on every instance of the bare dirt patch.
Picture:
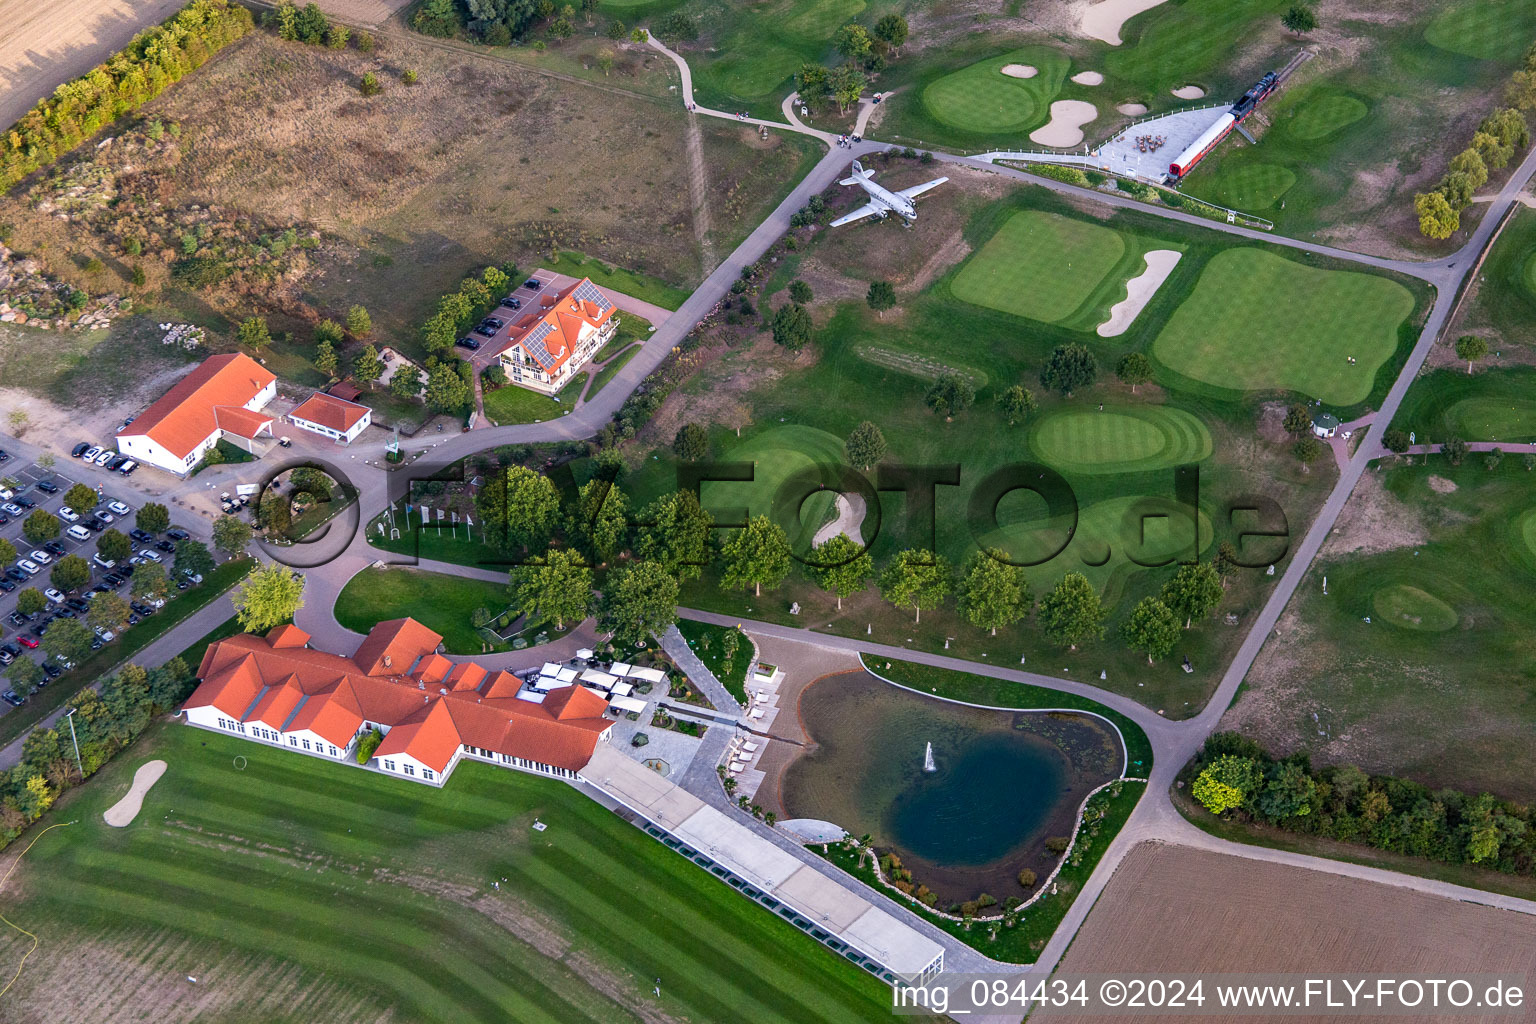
(1440, 485)
(1373, 521)
(1171, 908)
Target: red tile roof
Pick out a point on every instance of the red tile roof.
(549, 334)
(211, 397)
(288, 686)
(329, 411)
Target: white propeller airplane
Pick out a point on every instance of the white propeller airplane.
(882, 201)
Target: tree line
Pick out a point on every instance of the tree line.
(157, 58)
(647, 554)
(1498, 137)
(105, 721)
(865, 51)
(1236, 778)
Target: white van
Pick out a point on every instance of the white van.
(78, 533)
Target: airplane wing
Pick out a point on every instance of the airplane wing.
(917, 190)
(867, 210)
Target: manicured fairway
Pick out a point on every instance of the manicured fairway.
(1411, 607)
(1488, 29)
(378, 893)
(438, 601)
(1121, 439)
(776, 454)
(1324, 113)
(754, 70)
(1258, 321)
(980, 98)
(1174, 44)
(1525, 529)
(816, 20)
(1253, 186)
(1039, 265)
(1491, 405)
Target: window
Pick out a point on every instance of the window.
(223, 724)
(306, 744)
(293, 741)
(426, 773)
(333, 750)
(410, 770)
(389, 766)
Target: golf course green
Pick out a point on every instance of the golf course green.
(1324, 113)
(1039, 265)
(1413, 608)
(1258, 321)
(1254, 186)
(980, 98)
(1120, 439)
(1488, 29)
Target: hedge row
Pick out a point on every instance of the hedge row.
(156, 59)
(1234, 776)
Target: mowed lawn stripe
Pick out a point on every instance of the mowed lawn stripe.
(980, 98)
(307, 863)
(759, 948)
(1258, 321)
(1039, 265)
(394, 934)
(1120, 439)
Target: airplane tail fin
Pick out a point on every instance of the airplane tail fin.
(859, 175)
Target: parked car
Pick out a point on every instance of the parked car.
(79, 449)
(182, 584)
(40, 557)
(11, 698)
(16, 574)
(65, 613)
(118, 508)
(68, 514)
(533, 283)
(14, 509)
(285, 442)
(468, 342)
(19, 618)
(128, 467)
(142, 536)
(25, 503)
(51, 670)
(94, 525)
(195, 577)
(28, 566)
(105, 563)
(4, 455)
(102, 516)
(79, 604)
(106, 635)
(166, 546)
(91, 453)
(78, 533)
(54, 595)
(48, 487)
(105, 457)
(177, 534)
(6, 493)
(113, 580)
(54, 548)
(28, 642)
(6, 586)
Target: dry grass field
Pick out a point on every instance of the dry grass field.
(1174, 909)
(391, 199)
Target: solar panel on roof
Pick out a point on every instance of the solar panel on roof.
(589, 292)
(534, 343)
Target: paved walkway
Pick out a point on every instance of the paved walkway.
(677, 649)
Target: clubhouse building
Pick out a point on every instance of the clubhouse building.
(433, 712)
(544, 346)
(221, 399)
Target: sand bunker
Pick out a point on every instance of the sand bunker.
(1088, 78)
(1132, 109)
(122, 813)
(1189, 92)
(1139, 291)
(1020, 71)
(1065, 127)
(1103, 20)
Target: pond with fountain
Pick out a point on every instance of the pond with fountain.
(966, 798)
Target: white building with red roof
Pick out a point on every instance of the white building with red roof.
(433, 712)
(548, 342)
(332, 417)
(221, 399)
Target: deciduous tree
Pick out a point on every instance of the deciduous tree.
(1151, 629)
(1193, 592)
(231, 535)
(31, 600)
(852, 41)
(1437, 218)
(193, 558)
(153, 517)
(81, 498)
(557, 585)
(880, 297)
(40, 525)
(950, 394)
(114, 545)
(674, 531)
(149, 582)
(519, 509)
(1069, 368)
(253, 332)
(755, 555)
(993, 594)
(1017, 403)
(67, 640)
(691, 443)
(1299, 19)
(1072, 613)
(1470, 348)
(1455, 450)
(893, 29)
(841, 566)
(637, 601)
(1133, 369)
(916, 579)
(865, 446)
(1227, 782)
(108, 612)
(269, 595)
(598, 523)
(70, 573)
(1298, 419)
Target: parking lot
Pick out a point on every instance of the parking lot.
(16, 635)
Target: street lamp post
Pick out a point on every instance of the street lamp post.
(76, 742)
